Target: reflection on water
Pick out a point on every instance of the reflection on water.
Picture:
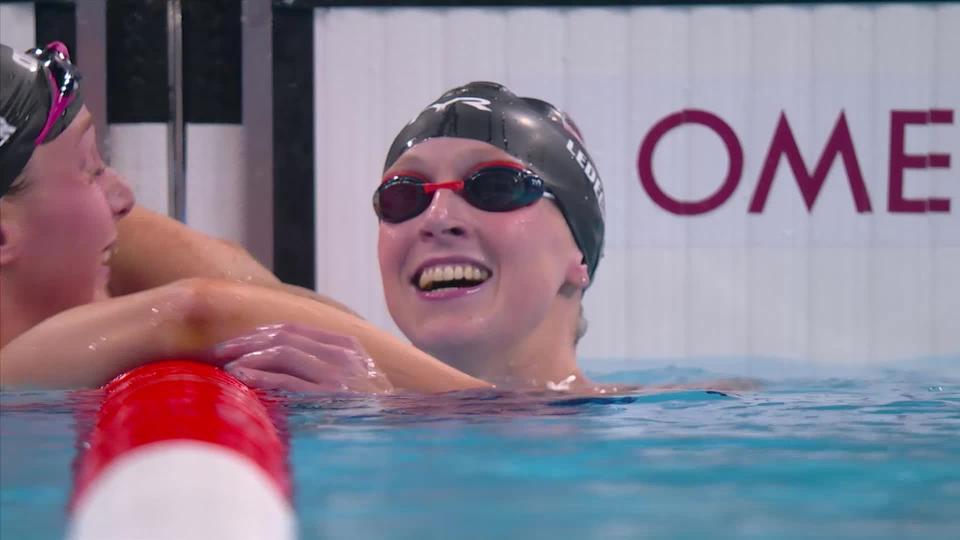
(875, 458)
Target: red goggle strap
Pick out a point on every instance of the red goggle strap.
(455, 185)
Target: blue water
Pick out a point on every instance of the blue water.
(868, 458)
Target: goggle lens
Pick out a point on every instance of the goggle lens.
(492, 189)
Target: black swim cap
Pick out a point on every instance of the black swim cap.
(531, 130)
(24, 105)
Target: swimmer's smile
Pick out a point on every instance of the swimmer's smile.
(450, 278)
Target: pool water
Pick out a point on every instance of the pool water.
(873, 457)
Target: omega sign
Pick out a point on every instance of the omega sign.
(839, 144)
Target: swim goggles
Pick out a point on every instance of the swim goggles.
(63, 78)
(497, 187)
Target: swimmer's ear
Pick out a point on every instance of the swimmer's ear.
(577, 273)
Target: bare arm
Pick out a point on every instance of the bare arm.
(88, 345)
(155, 250)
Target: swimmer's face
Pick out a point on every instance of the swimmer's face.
(60, 230)
(526, 257)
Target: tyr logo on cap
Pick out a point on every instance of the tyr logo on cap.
(477, 103)
(480, 104)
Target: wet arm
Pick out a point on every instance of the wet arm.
(155, 250)
(88, 345)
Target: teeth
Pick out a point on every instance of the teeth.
(444, 273)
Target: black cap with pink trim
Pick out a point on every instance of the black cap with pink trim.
(26, 87)
(531, 130)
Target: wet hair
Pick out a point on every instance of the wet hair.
(535, 132)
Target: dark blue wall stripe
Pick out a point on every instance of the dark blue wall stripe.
(212, 61)
(137, 62)
(293, 206)
(57, 22)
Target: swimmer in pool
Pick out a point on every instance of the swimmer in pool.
(60, 206)
(491, 230)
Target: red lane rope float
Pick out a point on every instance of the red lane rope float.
(182, 428)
